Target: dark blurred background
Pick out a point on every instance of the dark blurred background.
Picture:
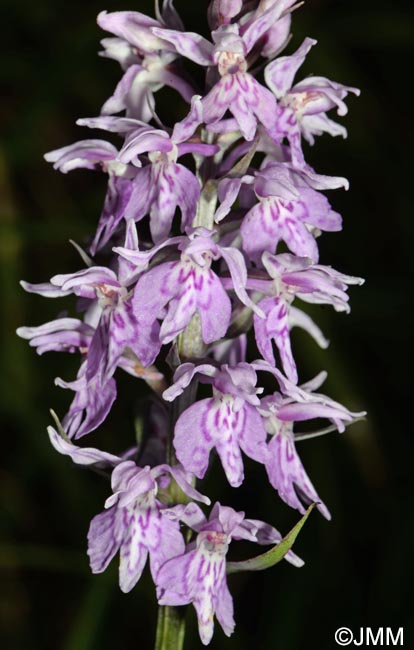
(358, 570)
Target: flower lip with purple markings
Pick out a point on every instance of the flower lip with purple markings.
(228, 421)
(198, 576)
(189, 286)
(133, 523)
(236, 90)
(302, 107)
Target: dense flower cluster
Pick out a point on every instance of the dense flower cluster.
(209, 229)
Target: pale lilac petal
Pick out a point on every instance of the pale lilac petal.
(84, 283)
(146, 139)
(225, 609)
(322, 182)
(164, 540)
(128, 272)
(288, 477)
(80, 455)
(237, 267)
(244, 116)
(220, 12)
(141, 195)
(273, 220)
(170, 16)
(114, 124)
(90, 405)
(104, 539)
(280, 73)
(215, 310)
(176, 579)
(140, 259)
(188, 44)
(193, 438)
(167, 77)
(277, 36)
(183, 480)
(133, 556)
(128, 88)
(60, 335)
(183, 377)
(190, 514)
(230, 455)
(253, 435)
(194, 290)
(119, 50)
(324, 94)
(319, 213)
(185, 129)
(205, 601)
(319, 124)
(239, 381)
(298, 318)
(176, 186)
(261, 24)
(331, 410)
(217, 101)
(316, 382)
(117, 198)
(228, 190)
(275, 179)
(134, 27)
(87, 154)
(46, 289)
(275, 326)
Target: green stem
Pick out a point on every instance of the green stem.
(171, 620)
(170, 628)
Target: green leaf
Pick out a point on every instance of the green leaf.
(275, 554)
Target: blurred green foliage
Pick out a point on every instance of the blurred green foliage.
(358, 569)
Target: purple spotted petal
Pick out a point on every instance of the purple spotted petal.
(198, 577)
(90, 405)
(193, 437)
(213, 423)
(117, 198)
(104, 538)
(288, 477)
(141, 195)
(261, 24)
(272, 221)
(275, 326)
(174, 185)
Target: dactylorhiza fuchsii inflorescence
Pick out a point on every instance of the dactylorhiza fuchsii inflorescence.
(189, 255)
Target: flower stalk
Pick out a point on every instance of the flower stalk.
(206, 249)
(170, 631)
